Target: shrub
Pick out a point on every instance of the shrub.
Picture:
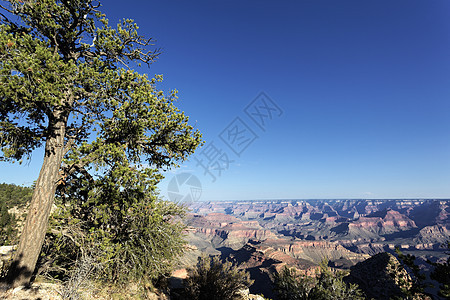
(330, 286)
(441, 274)
(130, 233)
(212, 279)
(327, 285)
(291, 286)
(11, 195)
(7, 222)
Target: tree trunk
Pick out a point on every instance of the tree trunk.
(33, 234)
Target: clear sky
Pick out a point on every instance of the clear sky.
(356, 99)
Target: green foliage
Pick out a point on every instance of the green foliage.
(291, 286)
(212, 279)
(131, 234)
(327, 285)
(418, 284)
(63, 62)
(65, 82)
(7, 223)
(332, 286)
(11, 195)
(441, 274)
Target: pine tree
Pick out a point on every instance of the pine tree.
(66, 85)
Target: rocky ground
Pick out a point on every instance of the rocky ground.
(41, 291)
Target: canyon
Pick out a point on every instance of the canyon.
(263, 236)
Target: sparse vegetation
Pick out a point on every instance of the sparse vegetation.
(417, 285)
(80, 278)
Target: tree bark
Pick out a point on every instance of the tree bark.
(33, 234)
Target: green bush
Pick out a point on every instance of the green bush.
(291, 286)
(7, 223)
(11, 195)
(441, 274)
(328, 285)
(14, 195)
(131, 234)
(212, 279)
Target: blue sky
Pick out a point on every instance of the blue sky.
(363, 88)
